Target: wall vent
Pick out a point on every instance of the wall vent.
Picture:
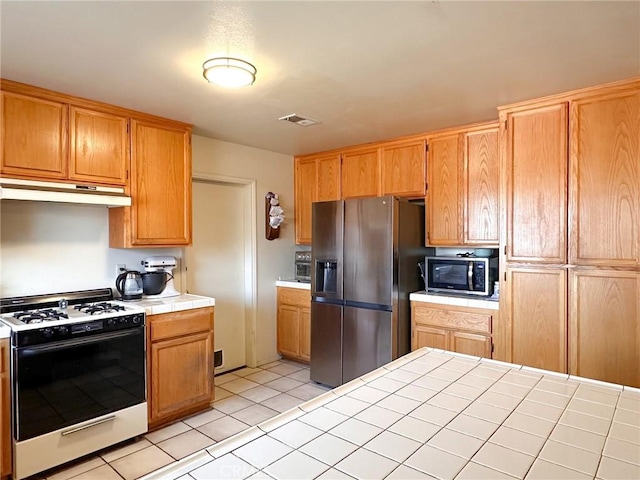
(218, 358)
(298, 120)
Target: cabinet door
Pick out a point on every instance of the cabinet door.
(403, 168)
(605, 326)
(536, 301)
(172, 361)
(605, 180)
(305, 334)
(360, 173)
(306, 184)
(424, 336)
(443, 195)
(34, 137)
(289, 330)
(481, 182)
(536, 177)
(328, 179)
(99, 149)
(470, 344)
(161, 185)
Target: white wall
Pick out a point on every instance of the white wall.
(273, 172)
(54, 247)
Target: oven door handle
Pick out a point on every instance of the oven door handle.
(110, 418)
(63, 345)
(470, 276)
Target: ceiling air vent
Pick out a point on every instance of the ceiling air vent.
(298, 120)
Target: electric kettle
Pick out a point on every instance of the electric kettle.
(129, 285)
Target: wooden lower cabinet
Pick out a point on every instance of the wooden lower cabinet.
(457, 329)
(604, 326)
(5, 410)
(180, 364)
(536, 304)
(294, 323)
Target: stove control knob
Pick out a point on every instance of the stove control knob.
(111, 321)
(136, 319)
(62, 330)
(47, 332)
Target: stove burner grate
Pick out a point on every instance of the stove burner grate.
(98, 308)
(39, 316)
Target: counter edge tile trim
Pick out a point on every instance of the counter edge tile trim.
(293, 284)
(455, 301)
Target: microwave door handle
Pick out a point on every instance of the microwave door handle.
(470, 276)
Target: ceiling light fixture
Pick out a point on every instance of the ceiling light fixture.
(229, 72)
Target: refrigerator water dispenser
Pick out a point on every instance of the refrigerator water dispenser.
(326, 276)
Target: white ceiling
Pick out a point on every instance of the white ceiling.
(367, 70)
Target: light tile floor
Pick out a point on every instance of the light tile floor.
(243, 398)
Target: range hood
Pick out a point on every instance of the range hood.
(14, 189)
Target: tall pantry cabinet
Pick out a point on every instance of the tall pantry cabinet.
(570, 169)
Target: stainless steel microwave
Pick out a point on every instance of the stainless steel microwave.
(468, 275)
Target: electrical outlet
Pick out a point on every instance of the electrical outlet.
(120, 267)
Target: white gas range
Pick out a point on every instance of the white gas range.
(78, 375)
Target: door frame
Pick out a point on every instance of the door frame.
(249, 189)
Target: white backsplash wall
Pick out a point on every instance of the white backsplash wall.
(53, 247)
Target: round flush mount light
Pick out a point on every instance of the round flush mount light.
(229, 72)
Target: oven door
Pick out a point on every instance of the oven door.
(303, 271)
(57, 385)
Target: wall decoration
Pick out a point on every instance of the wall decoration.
(273, 215)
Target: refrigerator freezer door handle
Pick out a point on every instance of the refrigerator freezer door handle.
(331, 301)
(369, 306)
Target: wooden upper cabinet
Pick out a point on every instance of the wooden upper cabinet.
(34, 137)
(536, 303)
(605, 180)
(444, 209)
(160, 214)
(316, 179)
(604, 340)
(361, 172)
(403, 168)
(536, 184)
(305, 185)
(99, 147)
(481, 183)
(463, 170)
(328, 178)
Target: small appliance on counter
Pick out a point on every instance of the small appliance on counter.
(303, 266)
(157, 281)
(461, 274)
(129, 285)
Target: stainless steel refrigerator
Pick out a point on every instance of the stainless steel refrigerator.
(365, 256)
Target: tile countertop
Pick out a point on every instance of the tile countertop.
(437, 414)
(172, 304)
(293, 284)
(460, 301)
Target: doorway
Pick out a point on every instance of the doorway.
(220, 263)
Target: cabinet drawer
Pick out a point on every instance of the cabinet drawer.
(476, 322)
(168, 325)
(294, 296)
